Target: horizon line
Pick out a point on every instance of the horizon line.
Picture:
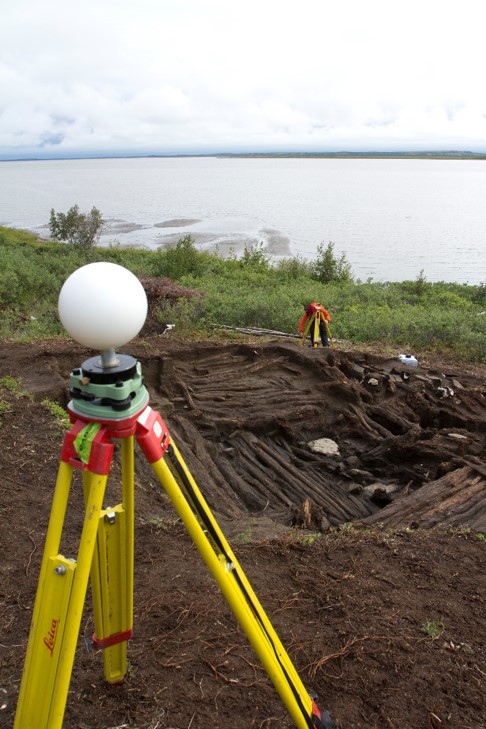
(445, 153)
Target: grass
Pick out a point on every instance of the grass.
(433, 628)
(11, 384)
(162, 523)
(5, 407)
(305, 540)
(244, 537)
(9, 387)
(61, 418)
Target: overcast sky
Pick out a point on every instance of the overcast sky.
(101, 77)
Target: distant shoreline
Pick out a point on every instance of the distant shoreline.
(363, 155)
(442, 155)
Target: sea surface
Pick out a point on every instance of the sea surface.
(393, 219)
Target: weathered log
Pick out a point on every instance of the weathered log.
(256, 331)
(299, 485)
(395, 424)
(208, 477)
(375, 428)
(253, 499)
(457, 499)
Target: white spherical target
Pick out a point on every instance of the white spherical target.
(102, 305)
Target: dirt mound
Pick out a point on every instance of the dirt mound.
(387, 627)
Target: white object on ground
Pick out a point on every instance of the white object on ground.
(408, 359)
(324, 445)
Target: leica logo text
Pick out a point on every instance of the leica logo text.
(50, 639)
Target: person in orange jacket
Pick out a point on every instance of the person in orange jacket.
(323, 315)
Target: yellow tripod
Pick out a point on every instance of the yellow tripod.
(313, 325)
(109, 405)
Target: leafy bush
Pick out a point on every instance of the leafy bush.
(185, 314)
(293, 268)
(327, 268)
(179, 261)
(254, 258)
(480, 294)
(81, 229)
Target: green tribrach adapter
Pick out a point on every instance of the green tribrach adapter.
(112, 390)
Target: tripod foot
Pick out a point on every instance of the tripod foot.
(325, 722)
(321, 719)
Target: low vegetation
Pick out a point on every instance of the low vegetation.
(59, 414)
(433, 628)
(205, 291)
(9, 387)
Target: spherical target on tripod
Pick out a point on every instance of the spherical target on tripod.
(102, 305)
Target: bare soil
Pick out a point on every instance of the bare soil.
(369, 560)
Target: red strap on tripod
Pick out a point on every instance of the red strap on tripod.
(111, 640)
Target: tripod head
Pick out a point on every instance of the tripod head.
(103, 306)
(100, 392)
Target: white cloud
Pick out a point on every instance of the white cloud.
(214, 75)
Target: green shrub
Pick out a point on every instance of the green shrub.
(479, 296)
(80, 229)
(328, 268)
(254, 258)
(180, 261)
(291, 269)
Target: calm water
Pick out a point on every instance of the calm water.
(392, 218)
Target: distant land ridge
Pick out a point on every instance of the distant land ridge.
(445, 154)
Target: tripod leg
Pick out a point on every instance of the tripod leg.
(329, 335)
(315, 330)
(112, 575)
(190, 505)
(58, 610)
(307, 329)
